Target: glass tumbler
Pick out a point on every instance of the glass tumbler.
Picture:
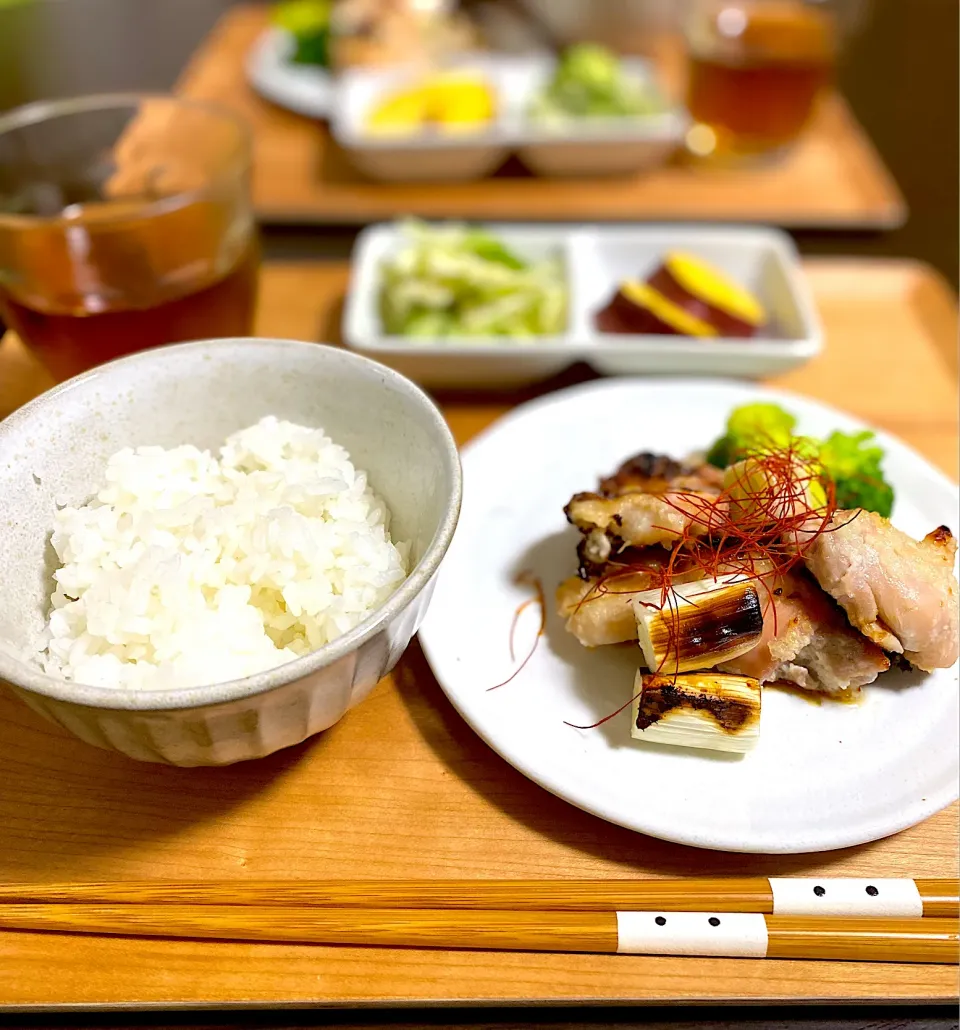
(125, 223)
(757, 69)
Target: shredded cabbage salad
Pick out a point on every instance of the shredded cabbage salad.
(457, 280)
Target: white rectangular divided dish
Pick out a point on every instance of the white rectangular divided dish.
(597, 259)
(607, 146)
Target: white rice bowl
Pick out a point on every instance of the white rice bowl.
(188, 569)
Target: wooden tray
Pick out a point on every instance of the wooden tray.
(403, 788)
(833, 179)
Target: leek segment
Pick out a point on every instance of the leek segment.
(698, 625)
(700, 710)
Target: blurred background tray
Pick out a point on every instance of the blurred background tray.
(403, 788)
(833, 179)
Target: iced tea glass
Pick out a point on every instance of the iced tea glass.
(757, 69)
(125, 223)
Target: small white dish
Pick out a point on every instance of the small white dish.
(765, 261)
(589, 146)
(305, 89)
(463, 361)
(821, 777)
(429, 156)
(597, 258)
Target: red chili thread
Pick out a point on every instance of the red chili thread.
(606, 718)
(525, 578)
(759, 532)
(759, 527)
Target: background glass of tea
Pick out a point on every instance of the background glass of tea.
(756, 71)
(125, 223)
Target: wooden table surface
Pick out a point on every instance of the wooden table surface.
(833, 179)
(402, 787)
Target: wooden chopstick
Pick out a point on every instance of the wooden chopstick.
(685, 933)
(860, 898)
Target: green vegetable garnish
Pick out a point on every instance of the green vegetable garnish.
(308, 21)
(750, 426)
(589, 82)
(490, 249)
(854, 468)
(856, 472)
(455, 280)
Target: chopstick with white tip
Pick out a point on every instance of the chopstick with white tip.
(721, 934)
(877, 897)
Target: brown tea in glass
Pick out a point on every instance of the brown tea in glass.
(756, 71)
(125, 223)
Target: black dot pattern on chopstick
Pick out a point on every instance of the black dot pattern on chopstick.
(819, 891)
(713, 921)
(660, 921)
(872, 891)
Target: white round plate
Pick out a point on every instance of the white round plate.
(303, 88)
(821, 777)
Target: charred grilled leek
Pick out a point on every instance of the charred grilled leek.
(705, 710)
(699, 625)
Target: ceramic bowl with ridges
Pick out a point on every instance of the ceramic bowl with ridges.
(53, 452)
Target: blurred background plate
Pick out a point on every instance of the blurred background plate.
(305, 89)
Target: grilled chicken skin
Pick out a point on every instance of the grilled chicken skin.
(598, 617)
(899, 592)
(597, 608)
(650, 499)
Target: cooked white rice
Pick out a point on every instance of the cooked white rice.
(188, 569)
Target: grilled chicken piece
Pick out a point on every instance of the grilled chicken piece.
(597, 608)
(808, 641)
(657, 473)
(598, 617)
(650, 499)
(899, 592)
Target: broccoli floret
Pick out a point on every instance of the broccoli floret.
(749, 427)
(721, 452)
(761, 423)
(844, 458)
(856, 472)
